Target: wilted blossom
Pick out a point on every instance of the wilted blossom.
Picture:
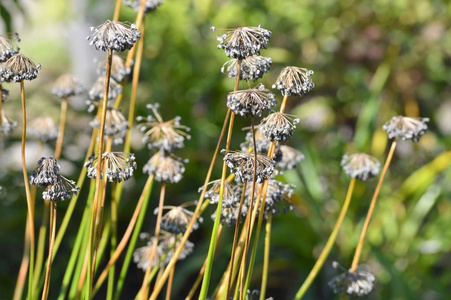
(252, 67)
(149, 5)
(119, 71)
(17, 68)
(118, 166)
(116, 125)
(43, 129)
(278, 126)
(177, 218)
(289, 158)
(406, 128)
(358, 283)
(7, 47)
(229, 214)
(45, 173)
(229, 196)
(62, 189)
(242, 165)
(360, 165)
(66, 86)
(251, 102)
(96, 91)
(165, 167)
(244, 41)
(114, 35)
(294, 81)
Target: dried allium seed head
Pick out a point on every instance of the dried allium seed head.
(43, 129)
(262, 143)
(360, 165)
(149, 5)
(242, 165)
(8, 124)
(116, 125)
(7, 47)
(278, 126)
(158, 134)
(252, 67)
(406, 128)
(66, 86)
(294, 81)
(119, 71)
(229, 196)
(244, 41)
(5, 94)
(169, 242)
(358, 283)
(45, 173)
(141, 256)
(229, 214)
(96, 92)
(165, 167)
(176, 219)
(62, 189)
(251, 102)
(17, 68)
(118, 166)
(289, 158)
(113, 35)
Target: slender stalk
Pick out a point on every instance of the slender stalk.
(62, 126)
(23, 270)
(117, 9)
(266, 258)
(358, 250)
(1, 102)
(41, 244)
(330, 242)
(144, 288)
(113, 244)
(169, 287)
(52, 226)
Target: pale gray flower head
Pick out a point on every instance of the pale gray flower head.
(252, 67)
(149, 5)
(96, 91)
(43, 129)
(244, 41)
(229, 214)
(141, 255)
(242, 165)
(169, 242)
(62, 189)
(159, 134)
(177, 218)
(5, 94)
(405, 128)
(66, 86)
(117, 166)
(360, 165)
(113, 35)
(294, 81)
(251, 102)
(8, 124)
(229, 196)
(262, 143)
(289, 158)
(278, 126)
(17, 68)
(165, 167)
(119, 71)
(358, 283)
(45, 173)
(116, 125)
(8, 47)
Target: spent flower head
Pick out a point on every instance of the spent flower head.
(169, 242)
(289, 158)
(251, 102)
(17, 68)
(294, 81)
(177, 218)
(113, 35)
(62, 189)
(8, 124)
(358, 283)
(141, 255)
(7, 47)
(242, 165)
(43, 129)
(229, 196)
(252, 67)
(118, 166)
(116, 125)
(406, 128)
(360, 165)
(45, 173)
(278, 126)
(149, 5)
(96, 91)
(229, 214)
(66, 86)
(244, 41)
(165, 167)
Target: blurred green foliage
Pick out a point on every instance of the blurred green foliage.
(372, 60)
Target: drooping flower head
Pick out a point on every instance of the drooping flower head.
(244, 41)
(289, 158)
(360, 165)
(406, 128)
(96, 91)
(252, 67)
(118, 166)
(251, 102)
(165, 167)
(113, 35)
(45, 173)
(116, 125)
(158, 134)
(43, 129)
(169, 242)
(262, 143)
(62, 189)
(17, 68)
(7, 47)
(119, 71)
(229, 214)
(149, 5)
(242, 165)
(66, 86)
(294, 81)
(278, 126)
(141, 255)
(177, 218)
(358, 283)
(8, 124)
(229, 196)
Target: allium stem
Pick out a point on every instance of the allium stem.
(41, 243)
(113, 243)
(358, 250)
(62, 126)
(330, 242)
(169, 288)
(52, 227)
(117, 9)
(1, 97)
(266, 257)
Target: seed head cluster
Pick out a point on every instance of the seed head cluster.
(113, 35)
(7, 48)
(289, 158)
(251, 102)
(358, 283)
(116, 125)
(96, 91)
(149, 5)
(66, 86)
(244, 41)
(165, 167)
(360, 165)
(242, 165)
(278, 126)
(405, 128)
(118, 166)
(252, 67)
(119, 71)
(294, 81)
(177, 218)
(62, 189)
(229, 196)
(43, 129)
(17, 68)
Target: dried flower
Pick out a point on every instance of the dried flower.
(96, 92)
(45, 173)
(17, 68)
(166, 167)
(119, 71)
(177, 218)
(278, 126)
(168, 135)
(360, 165)
(141, 255)
(118, 166)
(244, 41)
(149, 5)
(7, 48)
(242, 165)
(358, 283)
(289, 158)
(5, 94)
(8, 124)
(262, 143)
(62, 189)
(229, 196)
(169, 242)
(252, 67)
(66, 86)
(113, 35)
(251, 102)
(43, 129)
(406, 128)
(229, 214)
(116, 125)
(294, 81)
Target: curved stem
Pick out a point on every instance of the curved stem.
(266, 257)
(23, 265)
(358, 250)
(52, 226)
(62, 126)
(169, 288)
(330, 242)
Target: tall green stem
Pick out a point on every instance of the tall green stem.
(52, 226)
(266, 257)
